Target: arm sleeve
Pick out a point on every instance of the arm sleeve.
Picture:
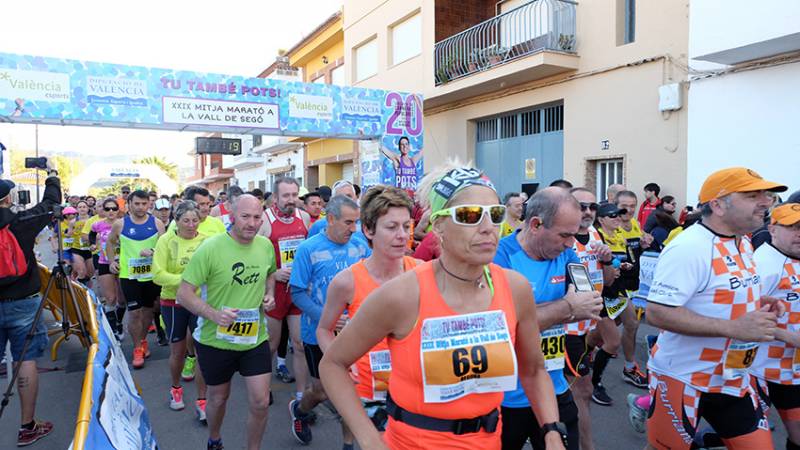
(161, 257)
(300, 281)
(680, 274)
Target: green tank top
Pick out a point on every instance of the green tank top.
(132, 240)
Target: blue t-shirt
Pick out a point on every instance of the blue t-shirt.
(548, 279)
(316, 261)
(321, 225)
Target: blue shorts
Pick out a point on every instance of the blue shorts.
(16, 317)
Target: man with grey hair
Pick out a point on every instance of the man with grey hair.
(341, 187)
(223, 209)
(541, 251)
(612, 190)
(316, 262)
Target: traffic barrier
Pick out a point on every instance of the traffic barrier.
(55, 304)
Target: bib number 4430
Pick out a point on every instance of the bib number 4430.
(474, 360)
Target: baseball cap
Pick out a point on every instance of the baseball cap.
(735, 179)
(162, 203)
(787, 214)
(608, 209)
(794, 198)
(5, 188)
(324, 192)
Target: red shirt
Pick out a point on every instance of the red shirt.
(646, 209)
(285, 238)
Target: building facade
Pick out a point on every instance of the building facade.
(533, 91)
(744, 99)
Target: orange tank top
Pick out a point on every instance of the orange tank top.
(453, 366)
(371, 370)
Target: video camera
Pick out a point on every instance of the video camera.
(36, 163)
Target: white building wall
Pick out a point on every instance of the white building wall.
(745, 119)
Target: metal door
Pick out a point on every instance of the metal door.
(522, 147)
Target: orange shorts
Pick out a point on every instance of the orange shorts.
(676, 409)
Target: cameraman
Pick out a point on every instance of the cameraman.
(20, 300)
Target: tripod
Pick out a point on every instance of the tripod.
(59, 278)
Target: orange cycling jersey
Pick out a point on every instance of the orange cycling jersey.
(453, 366)
(371, 370)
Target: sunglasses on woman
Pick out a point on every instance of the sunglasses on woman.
(471, 215)
(111, 209)
(612, 216)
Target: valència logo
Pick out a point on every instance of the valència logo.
(310, 106)
(34, 85)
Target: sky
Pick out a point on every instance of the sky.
(235, 37)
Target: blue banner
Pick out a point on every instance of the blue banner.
(119, 417)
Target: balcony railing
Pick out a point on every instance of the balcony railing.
(532, 27)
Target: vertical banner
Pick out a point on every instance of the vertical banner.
(401, 145)
(119, 417)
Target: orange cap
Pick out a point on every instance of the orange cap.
(735, 179)
(787, 214)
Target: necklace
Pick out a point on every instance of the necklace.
(478, 281)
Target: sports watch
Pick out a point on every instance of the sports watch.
(558, 427)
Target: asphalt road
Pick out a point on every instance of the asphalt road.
(60, 391)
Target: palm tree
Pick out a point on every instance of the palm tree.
(168, 168)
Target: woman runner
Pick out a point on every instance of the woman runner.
(81, 253)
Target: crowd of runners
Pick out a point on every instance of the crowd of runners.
(449, 316)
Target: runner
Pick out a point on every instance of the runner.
(108, 281)
(80, 248)
(341, 187)
(173, 252)
(231, 332)
(386, 215)
(541, 251)
(209, 225)
(597, 258)
(614, 295)
(222, 210)
(316, 262)
(69, 214)
(162, 211)
(706, 296)
(448, 397)
(777, 363)
(513, 220)
(313, 205)
(286, 227)
(136, 234)
(636, 241)
(96, 214)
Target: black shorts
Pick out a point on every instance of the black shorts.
(139, 294)
(103, 269)
(784, 397)
(218, 365)
(313, 357)
(177, 320)
(96, 259)
(520, 424)
(577, 356)
(85, 254)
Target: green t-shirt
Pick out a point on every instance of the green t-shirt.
(210, 226)
(235, 276)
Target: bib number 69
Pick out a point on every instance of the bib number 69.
(473, 360)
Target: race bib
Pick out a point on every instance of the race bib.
(466, 354)
(68, 241)
(380, 363)
(615, 306)
(244, 330)
(288, 247)
(739, 356)
(596, 279)
(139, 268)
(553, 348)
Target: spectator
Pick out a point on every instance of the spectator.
(650, 203)
(668, 205)
(20, 300)
(664, 224)
(612, 191)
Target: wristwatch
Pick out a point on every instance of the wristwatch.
(558, 427)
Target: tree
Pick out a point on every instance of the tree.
(67, 167)
(167, 167)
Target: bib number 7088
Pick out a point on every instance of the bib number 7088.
(474, 360)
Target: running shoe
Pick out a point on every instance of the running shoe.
(300, 428)
(635, 377)
(28, 437)
(283, 374)
(636, 415)
(187, 374)
(215, 445)
(145, 348)
(176, 398)
(600, 396)
(200, 410)
(138, 358)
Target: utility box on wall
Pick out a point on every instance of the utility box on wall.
(669, 97)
